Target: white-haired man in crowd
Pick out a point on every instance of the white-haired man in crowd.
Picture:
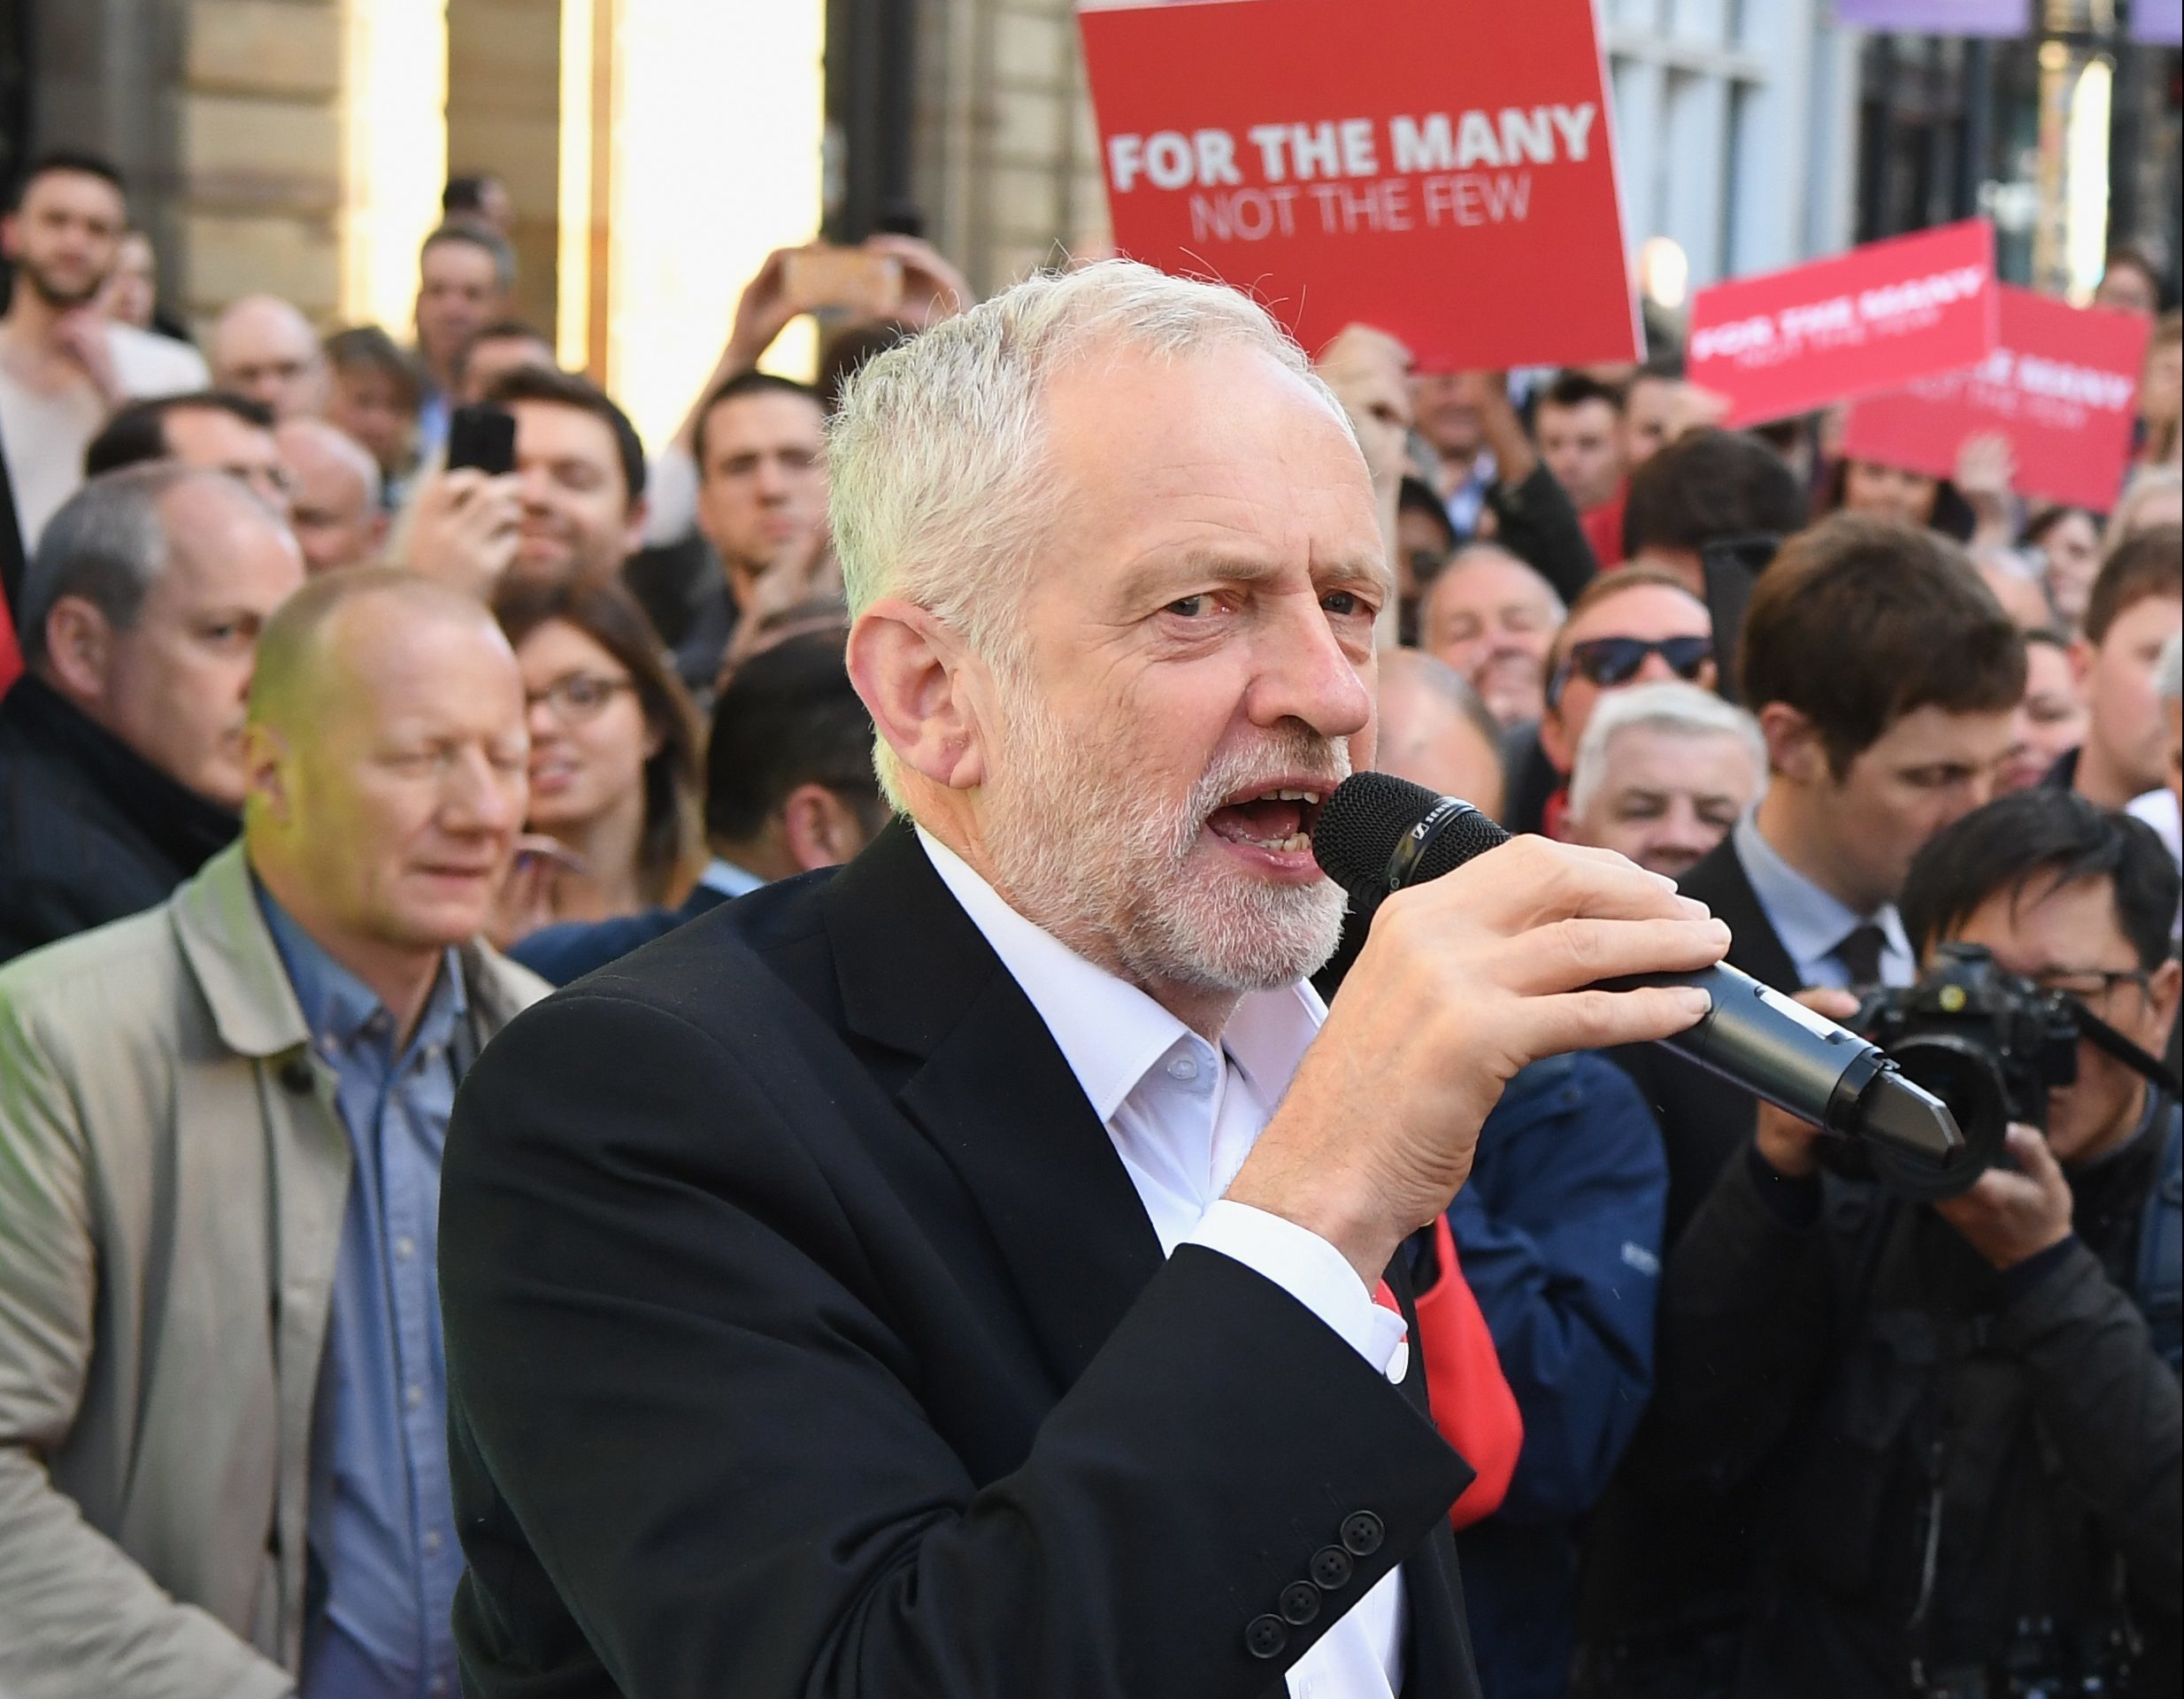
(955, 1273)
(1663, 772)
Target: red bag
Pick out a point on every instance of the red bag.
(1473, 1407)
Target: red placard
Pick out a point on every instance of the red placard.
(1871, 319)
(2061, 385)
(1440, 169)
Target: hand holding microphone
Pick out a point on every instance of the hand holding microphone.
(1488, 953)
(1462, 982)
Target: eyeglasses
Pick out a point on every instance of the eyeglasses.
(1610, 661)
(576, 697)
(2092, 984)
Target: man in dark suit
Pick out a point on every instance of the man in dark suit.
(956, 1276)
(1883, 673)
(121, 746)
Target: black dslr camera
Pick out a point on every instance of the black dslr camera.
(1989, 1045)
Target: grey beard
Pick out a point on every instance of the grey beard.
(1077, 852)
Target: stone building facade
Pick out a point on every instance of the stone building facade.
(1005, 159)
(229, 116)
(226, 115)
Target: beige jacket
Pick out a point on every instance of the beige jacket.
(172, 1179)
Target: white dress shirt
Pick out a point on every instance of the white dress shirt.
(1183, 1119)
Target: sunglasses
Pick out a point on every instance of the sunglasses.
(1610, 661)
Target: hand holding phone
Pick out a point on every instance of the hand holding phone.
(851, 280)
(483, 437)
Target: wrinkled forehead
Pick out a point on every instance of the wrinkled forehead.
(78, 193)
(217, 532)
(1218, 448)
(1489, 580)
(457, 264)
(1701, 757)
(555, 431)
(2046, 922)
(384, 660)
(1593, 413)
(760, 419)
(1650, 611)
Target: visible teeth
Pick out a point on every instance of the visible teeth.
(1297, 795)
(1295, 843)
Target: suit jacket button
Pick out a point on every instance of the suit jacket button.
(1300, 1603)
(1362, 1534)
(1331, 1568)
(1267, 1637)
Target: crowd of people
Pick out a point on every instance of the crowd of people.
(322, 758)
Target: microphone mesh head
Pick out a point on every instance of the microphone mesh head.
(1360, 826)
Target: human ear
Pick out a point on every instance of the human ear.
(78, 648)
(819, 827)
(264, 782)
(921, 687)
(1793, 749)
(2162, 987)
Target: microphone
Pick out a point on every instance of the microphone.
(1378, 834)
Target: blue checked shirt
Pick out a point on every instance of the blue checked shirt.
(384, 1557)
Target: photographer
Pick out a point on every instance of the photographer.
(1967, 1433)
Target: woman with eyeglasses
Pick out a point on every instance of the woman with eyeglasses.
(615, 758)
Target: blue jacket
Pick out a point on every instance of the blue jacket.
(560, 954)
(1559, 1233)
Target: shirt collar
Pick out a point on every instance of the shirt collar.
(1810, 921)
(724, 876)
(1112, 1034)
(336, 1004)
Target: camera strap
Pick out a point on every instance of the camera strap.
(2143, 1063)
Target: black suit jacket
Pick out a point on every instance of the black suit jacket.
(89, 830)
(1703, 1118)
(805, 1337)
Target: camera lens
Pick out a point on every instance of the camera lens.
(1965, 1077)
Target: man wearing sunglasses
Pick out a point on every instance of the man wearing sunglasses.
(1883, 674)
(1635, 626)
(1970, 1431)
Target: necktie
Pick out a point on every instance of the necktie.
(1859, 952)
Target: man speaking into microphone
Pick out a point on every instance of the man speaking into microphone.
(955, 1275)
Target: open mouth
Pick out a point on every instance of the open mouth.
(1274, 818)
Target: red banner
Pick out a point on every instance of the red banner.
(1788, 342)
(2062, 385)
(1440, 169)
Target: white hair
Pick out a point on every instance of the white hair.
(941, 489)
(1683, 710)
(2169, 670)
